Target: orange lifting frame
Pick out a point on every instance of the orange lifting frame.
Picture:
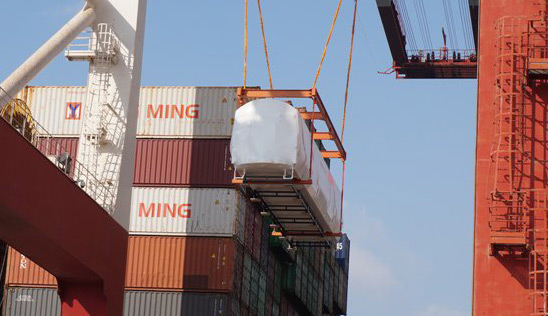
(247, 94)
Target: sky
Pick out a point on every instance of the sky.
(410, 143)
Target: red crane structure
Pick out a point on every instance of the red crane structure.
(46, 215)
(511, 194)
(511, 216)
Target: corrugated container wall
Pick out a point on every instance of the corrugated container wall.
(59, 145)
(55, 147)
(164, 112)
(138, 303)
(168, 162)
(201, 112)
(177, 263)
(187, 212)
(168, 263)
(31, 302)
(183, 162)
(57, 109)
(45, 302)
(21, 271)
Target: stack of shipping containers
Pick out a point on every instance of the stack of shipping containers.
(197, 245)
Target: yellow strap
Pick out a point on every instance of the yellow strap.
(264, 45)
(327, 44)
(344, 108)
(349, 68)
(245, 46)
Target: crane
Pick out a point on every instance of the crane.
(74, 220)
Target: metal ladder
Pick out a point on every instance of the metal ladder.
(536, 44)
(538, 256)
(510, 157)
(95, 113)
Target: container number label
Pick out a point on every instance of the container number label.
(23, 263)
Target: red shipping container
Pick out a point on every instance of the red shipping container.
(284, 306)
(56, 146)
(249, 224)
(257, 234)
(268, 307)
(183, 162)
(253, 229)
(238, 271)
(168, 162)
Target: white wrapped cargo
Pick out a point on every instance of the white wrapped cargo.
(270, 140)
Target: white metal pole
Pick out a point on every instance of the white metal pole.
(45, 54)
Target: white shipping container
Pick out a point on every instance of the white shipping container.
(187, 212)
(57, 109)
(164, 112)
(200, 112)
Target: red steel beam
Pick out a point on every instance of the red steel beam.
(45, 216)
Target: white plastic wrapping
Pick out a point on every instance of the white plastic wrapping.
(270, 139)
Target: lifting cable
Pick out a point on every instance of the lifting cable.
(452, 34)
(466, 23)
(349, 69)
(346, 102)
(264, 45)
(423, 23)
(406, 25)
(326, 44)
(245, 45)
(453, 28)
(449, 26)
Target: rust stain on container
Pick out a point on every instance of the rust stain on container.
(183, 162)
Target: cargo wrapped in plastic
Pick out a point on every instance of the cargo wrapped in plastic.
(270, 140)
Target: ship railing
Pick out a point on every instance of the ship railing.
(84, 42)
(441, 55)
(16, 113)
